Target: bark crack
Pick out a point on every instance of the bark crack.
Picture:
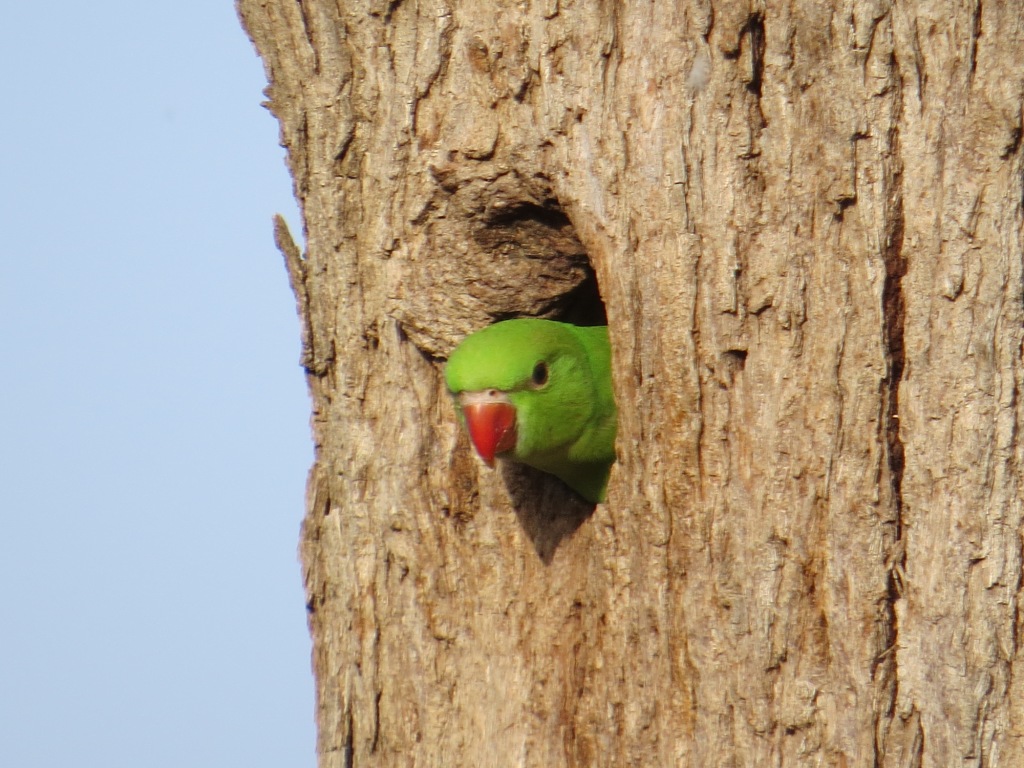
(754, 31)
(975, 34)
(893, 309)
(893, 330)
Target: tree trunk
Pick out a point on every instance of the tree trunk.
(805, 224)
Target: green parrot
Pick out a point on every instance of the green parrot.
(540, 392)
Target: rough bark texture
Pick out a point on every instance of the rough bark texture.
(805, 222)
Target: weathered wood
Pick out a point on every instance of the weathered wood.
(805, 222)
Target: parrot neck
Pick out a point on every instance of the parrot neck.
(588, 479)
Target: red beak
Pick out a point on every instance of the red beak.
(492, 428)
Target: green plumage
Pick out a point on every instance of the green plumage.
(564, 426)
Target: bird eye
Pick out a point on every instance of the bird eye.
(540, 374)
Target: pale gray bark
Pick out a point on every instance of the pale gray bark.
(805, 221)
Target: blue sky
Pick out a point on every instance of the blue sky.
(154, 435)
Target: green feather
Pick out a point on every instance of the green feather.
(566, 426)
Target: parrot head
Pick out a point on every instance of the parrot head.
(539, 392)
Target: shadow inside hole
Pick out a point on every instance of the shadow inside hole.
(547, 509)
(549, 216)
(583, 304)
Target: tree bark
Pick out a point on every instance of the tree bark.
(804, 225)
